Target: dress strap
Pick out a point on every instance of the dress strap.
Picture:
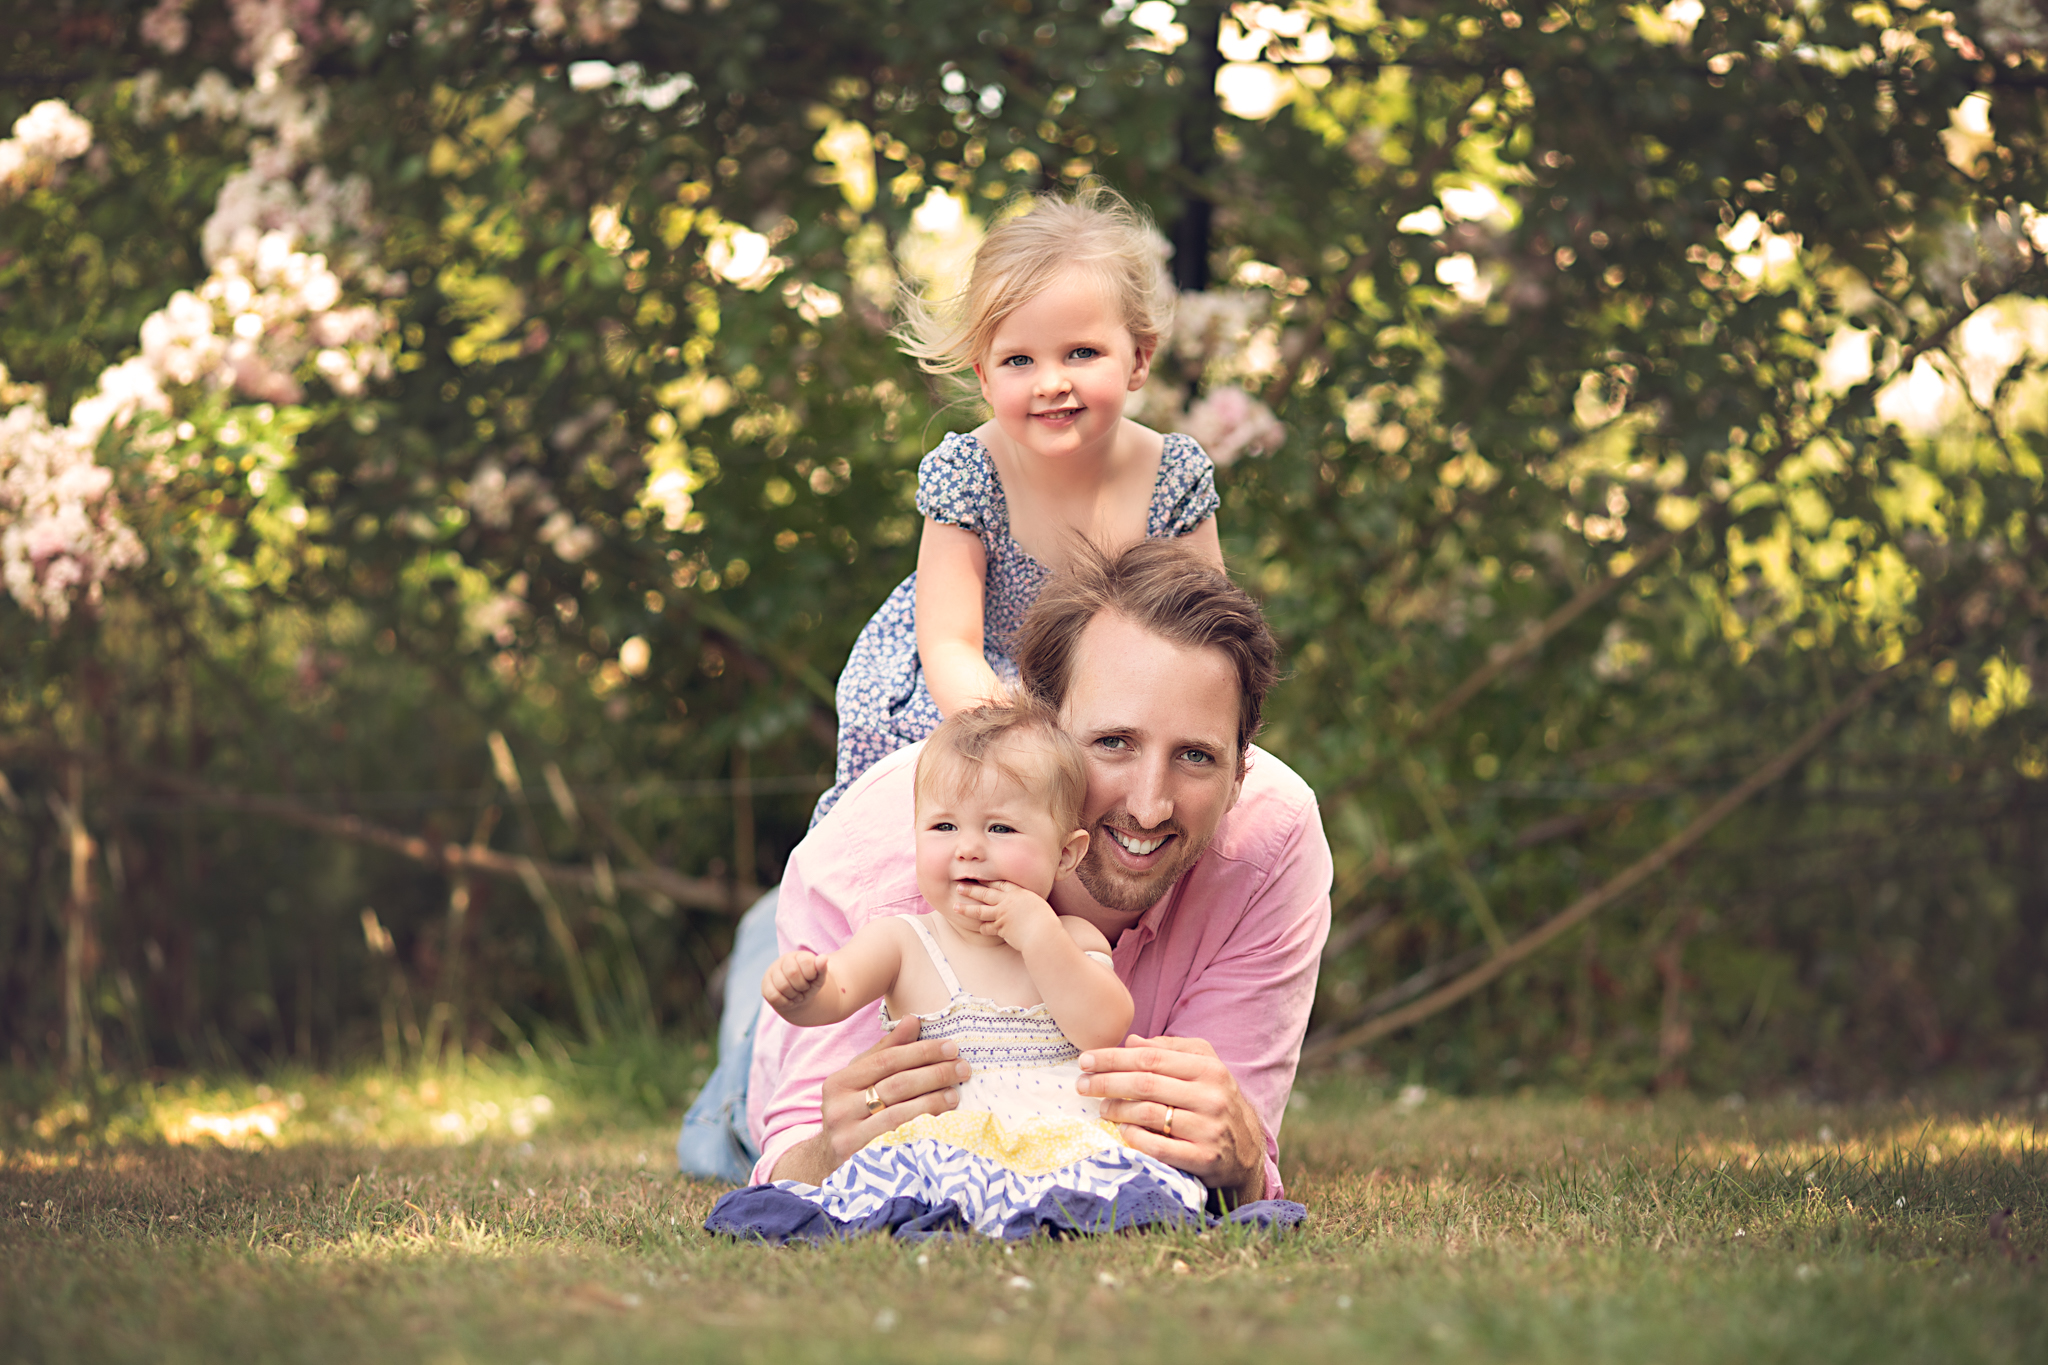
(938, 957)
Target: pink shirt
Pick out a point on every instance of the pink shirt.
(1229, 955)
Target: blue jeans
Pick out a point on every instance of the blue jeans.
(714, 1142)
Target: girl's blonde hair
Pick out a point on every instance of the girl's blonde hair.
(1098, 230)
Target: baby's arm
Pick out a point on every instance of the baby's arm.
(952, 579)
(1100, 1004)
(1090, 1005)
(809, 990)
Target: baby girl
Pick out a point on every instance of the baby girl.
(1020, 988)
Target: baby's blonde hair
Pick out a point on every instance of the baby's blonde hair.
(1022, 742)
(1098, 230)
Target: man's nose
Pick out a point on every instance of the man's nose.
(1150, 796)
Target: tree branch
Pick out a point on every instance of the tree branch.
(1591, 903)
(700, 893)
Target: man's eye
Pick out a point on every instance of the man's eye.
(1198, 756)
(1116, 742)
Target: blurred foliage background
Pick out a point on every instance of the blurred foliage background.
(449, 448)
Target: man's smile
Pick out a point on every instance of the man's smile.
(1138, 846)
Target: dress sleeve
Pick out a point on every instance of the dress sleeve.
(952, 483)
(1187, 488)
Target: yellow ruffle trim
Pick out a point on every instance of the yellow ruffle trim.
(1038, 1148)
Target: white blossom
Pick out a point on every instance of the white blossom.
(61, 532)
(124, 390)
(496, 616)
(48, 135)
(287, 240)
(743, 256)
(568, 537)
(669, 492)
(494, 497)
(179, 341)
(1214, 322)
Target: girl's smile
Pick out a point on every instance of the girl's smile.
(1060, 367)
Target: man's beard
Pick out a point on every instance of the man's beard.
(1125, 892)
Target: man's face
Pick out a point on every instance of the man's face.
(1158, 723)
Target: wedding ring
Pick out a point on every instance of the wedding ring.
(1167, 1131)
(874, 1100)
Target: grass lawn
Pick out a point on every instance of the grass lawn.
(467, 1219)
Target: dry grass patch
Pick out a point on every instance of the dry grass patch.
(1509, 1229)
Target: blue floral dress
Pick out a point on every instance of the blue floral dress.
(882, 698)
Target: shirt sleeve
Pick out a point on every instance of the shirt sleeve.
(1187, 488)
(1251, 1002)
(952, 483)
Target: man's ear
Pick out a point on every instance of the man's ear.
(1072, 851)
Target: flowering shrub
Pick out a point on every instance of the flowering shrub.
(61, 532)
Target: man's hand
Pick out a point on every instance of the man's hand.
(1178, 1102)
(907, 1075)
(792, 979)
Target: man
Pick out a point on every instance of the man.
(1206, 870)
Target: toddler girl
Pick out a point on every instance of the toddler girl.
(1064, 309)
(1022, 991)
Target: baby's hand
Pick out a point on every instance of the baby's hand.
(1013, 914)
(792, 979)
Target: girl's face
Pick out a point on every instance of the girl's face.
(994, 830)
(1060, 367)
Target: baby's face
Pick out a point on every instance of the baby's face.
(991, 830)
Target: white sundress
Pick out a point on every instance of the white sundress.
(1023, 1154)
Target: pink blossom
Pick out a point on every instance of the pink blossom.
(61, 532)
(166, 27)
(1230, 422)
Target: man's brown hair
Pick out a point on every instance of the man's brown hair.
(1169, 589)
(1023, 743)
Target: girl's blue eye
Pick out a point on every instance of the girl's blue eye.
(943, 827)
(1085, 353)
(1016, 362)
(1000, 828)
